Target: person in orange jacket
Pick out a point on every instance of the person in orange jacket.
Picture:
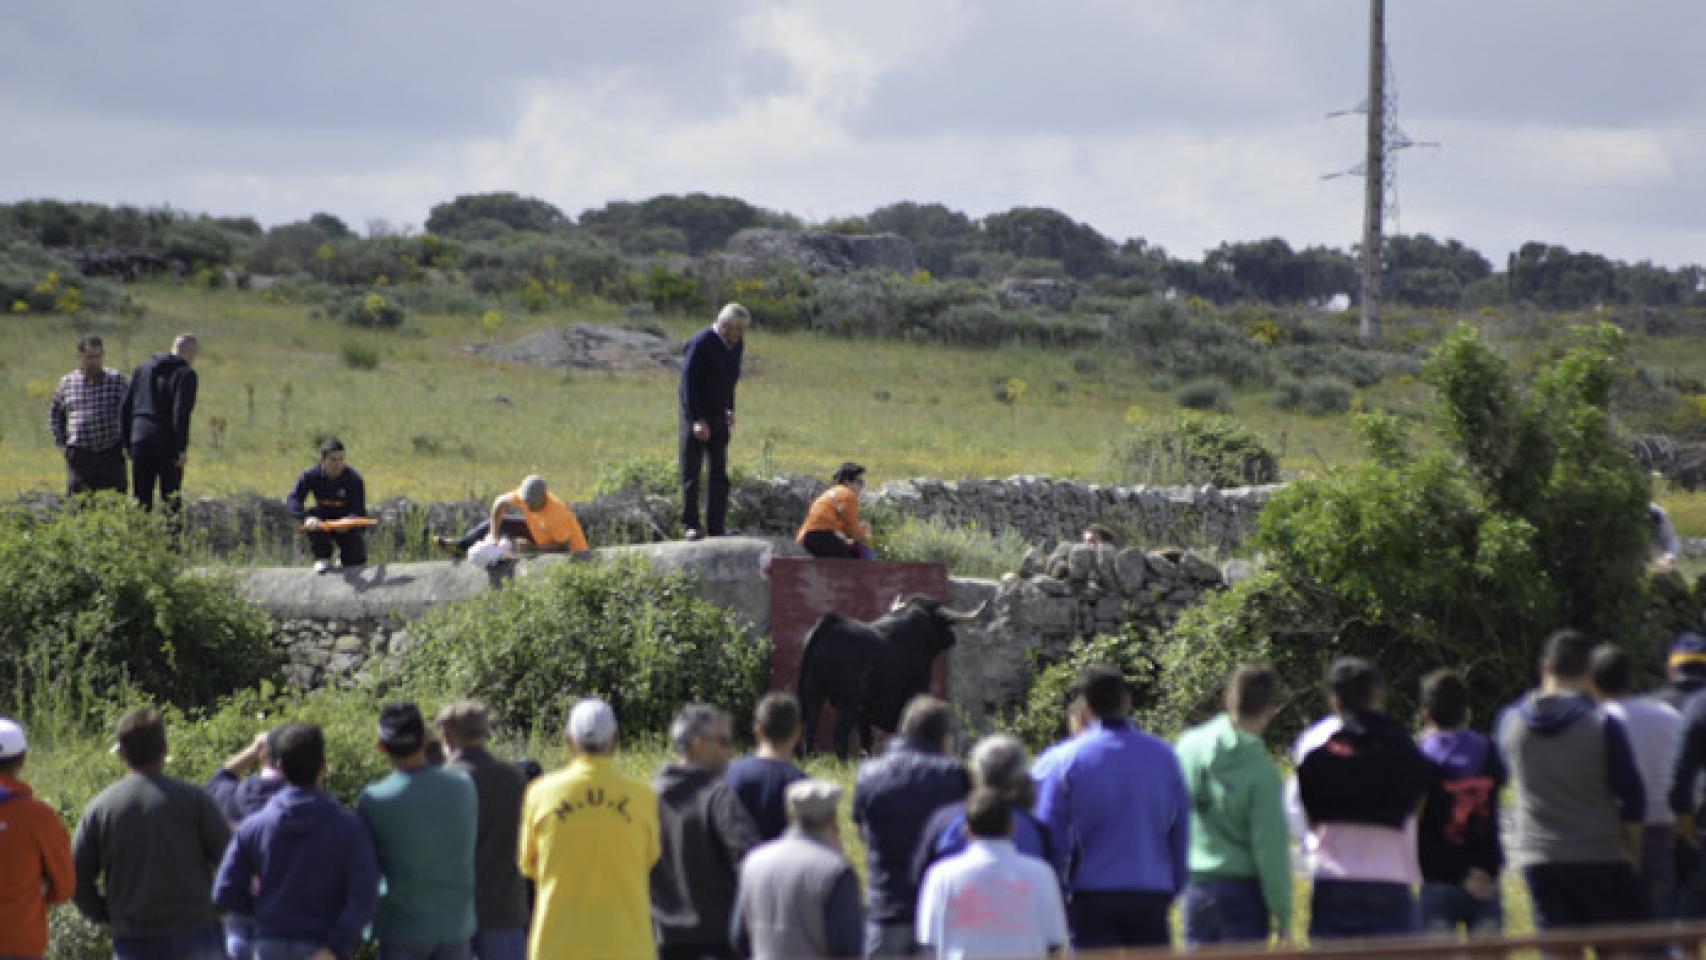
(35, 854)
(832, 528)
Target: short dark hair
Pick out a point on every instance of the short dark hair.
(90, 341)
(988, 814)
(141, 737)
(1252, 690)
(1568, 656)
(1354, 682)
(928, 719)
(402, 731)
(11, 765)
(847, 473)
(1445, 698)
(1103, 690)
(331, 445)
(1613, 671)
(777, 717)
(301, 753)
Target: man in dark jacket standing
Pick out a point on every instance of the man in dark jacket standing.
(303, 866)
(500, 893)
(704, 833)
(710, 368)
(893, 800)
(156, 421)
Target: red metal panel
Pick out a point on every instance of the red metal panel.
(801, 591)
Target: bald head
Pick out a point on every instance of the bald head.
(533, 491)
(186, 346)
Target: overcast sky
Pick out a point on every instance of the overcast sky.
(1186, 122)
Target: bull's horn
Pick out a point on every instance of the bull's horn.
(898, 602)
(959, 617)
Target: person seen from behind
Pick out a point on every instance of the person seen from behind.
(35, 853)
(1115, 801)
(424, 822)
(1580, 800)
(146, 849)
(894, 797)
(990, 900)
(155, 422)
(1359, 784)
(761, 780)
(998, 763)
(704, 834)
(1240, 858)
(302, 867)
(238, 797)
(832, 528)
(500, 893)
(589, 839)
(1654, 729)
(1458, 834)
(798, 896)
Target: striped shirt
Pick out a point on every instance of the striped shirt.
(84, 414)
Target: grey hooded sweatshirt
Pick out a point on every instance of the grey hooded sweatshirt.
(1576, 780)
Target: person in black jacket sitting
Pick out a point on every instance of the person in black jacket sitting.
(339, 494)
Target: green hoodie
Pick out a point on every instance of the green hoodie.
(1238, 828)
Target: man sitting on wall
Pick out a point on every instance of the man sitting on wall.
(340, 496)
(529, 519)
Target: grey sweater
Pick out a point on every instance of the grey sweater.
(1576, 780)
(146, 851)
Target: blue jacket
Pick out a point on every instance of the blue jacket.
(239, 798)
(710, 369)
(1115, 801)
(318, 876)
(895, 796)
(946, 835)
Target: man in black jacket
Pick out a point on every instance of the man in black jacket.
(339, 494)
(156, 421)
(704, 833)
(710, 368)
(501, 910)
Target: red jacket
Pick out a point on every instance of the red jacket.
(35, 868)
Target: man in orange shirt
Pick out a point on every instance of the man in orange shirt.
(832, 528)
(35, 854)
(531, 517)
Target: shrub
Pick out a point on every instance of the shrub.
(1288, 393)
(967, 551)
(1195, 450)
(373, 309)
(1041, 720)
(96, 597)
(359, 354)
(641, 640)
(649, 476)
(1323, 395)
(1204, 393)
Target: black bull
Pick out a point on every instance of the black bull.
(869, 671)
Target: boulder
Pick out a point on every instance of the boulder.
(819, 252)
(1040, 294)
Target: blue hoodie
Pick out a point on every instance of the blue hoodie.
(1115, 803)
(305, 869)
(239, 798)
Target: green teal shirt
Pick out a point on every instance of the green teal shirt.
(1238, 828)
(423, 823)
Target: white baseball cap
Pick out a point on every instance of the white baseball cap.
(592, 724)
(12, 742)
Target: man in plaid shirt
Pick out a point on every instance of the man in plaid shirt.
(86, 423)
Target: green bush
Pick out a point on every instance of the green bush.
(96, 598)
(1323, 395)
(643, 641)
(1529, 516)
(1193, 449)
(1041, 720)
(359, 354)
(648, 476)
(1204, 393)
(967, 551)
(372, 309)
(1288, 393)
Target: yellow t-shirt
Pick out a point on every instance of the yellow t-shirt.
(589, 838)
(553, 524)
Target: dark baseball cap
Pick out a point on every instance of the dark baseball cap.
(401, 727)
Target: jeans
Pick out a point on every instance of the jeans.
(1360, 909)
(205, 944)
(283, 950)
(447, 950)
(1224, 911)
(1446, 906)
(889, 939)
(1119, 918)
(1658, 870)
(509, 944)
